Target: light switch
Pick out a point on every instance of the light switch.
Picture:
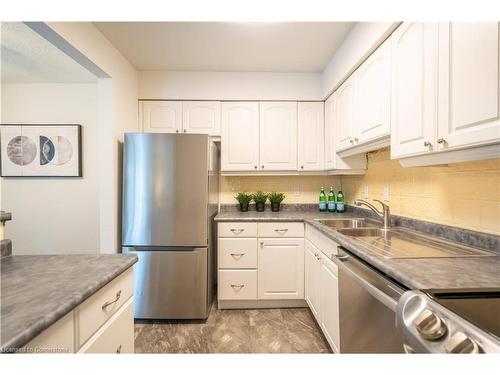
(296, 191)
(386, 193)
(365, 192)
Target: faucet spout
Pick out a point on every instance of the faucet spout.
(385, 214)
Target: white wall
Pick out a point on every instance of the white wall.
(117, 115)
(54, 215)
(229, 85)
(361, 41)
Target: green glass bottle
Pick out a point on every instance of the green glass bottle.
(340, 202)
(322, 200)
(331, 200)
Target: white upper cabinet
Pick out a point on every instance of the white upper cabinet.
(278, 136)
(161, 116)
(240, 136)
(414, 89)
(310, 136)
(345, 101)
(469, 85)
(330, 132)
(201, 117)
(373, 95)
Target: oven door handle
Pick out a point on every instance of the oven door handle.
(387, 300)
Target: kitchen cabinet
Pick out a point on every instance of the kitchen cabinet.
(373, 95)
(281, 268)
(201, 117)
(414, 89)
(329, 302)
(240, 136)
(161, 116)
(345, 115)
(312, 269)
(278, 136)
(311, 136)
(60, 336)
(469, 84)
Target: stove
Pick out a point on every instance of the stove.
(450, 321)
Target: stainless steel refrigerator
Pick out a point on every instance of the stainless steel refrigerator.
(170, 198)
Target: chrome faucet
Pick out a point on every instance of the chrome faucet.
(385, 215)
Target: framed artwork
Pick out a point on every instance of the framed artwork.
(41, 150)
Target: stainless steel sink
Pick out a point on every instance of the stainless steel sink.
(406, 243)
(349, 223)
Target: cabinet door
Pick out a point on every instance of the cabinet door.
(329, 292)
(161, 116)
(278, 136)
(373, 95)
(312, 269)
(281, 268)
(469, 84)
(201, 117)
(414, 88)
(330, 132)
(240, 136)
(311, 125)
(345, 114)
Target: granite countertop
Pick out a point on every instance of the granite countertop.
(422, 273)
(37, 290)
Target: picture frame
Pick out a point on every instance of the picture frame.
(40, 150)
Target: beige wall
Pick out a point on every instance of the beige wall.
(309, 186)
(463, 194)
(54, 215)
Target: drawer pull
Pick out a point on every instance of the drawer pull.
(237, 231)
(237, 286)
(118, 294)
(119, 349)
(281, 231)
(237, 255)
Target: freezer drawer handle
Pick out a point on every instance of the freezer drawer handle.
(118, 294)
(237, 231)
(237, 286)
(281, 231)
(237, 255)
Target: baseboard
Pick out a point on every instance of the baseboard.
(260, 304)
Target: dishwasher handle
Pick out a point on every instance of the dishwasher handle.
(375, 292)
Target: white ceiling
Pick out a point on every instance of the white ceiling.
(227, 46)
(26, 57)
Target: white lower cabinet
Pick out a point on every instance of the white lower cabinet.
(281, 268)
(237, 284)
(312, 268)
(329, 303)
(103, 323)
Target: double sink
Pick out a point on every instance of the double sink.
(398, 242)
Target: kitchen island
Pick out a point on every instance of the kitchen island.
(40, 291)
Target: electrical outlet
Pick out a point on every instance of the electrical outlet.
(386, 193)
(365, 193)
(296, 191)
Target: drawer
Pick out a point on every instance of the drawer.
(237, 229)
(56, 339)
(237, 252)
(237, 284)
(281, 229)
(98, 308)
(327, 246)
(116, 335)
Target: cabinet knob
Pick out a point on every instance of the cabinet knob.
(254, 167)
(177, 131)
(441, 141)
(351, 141)
(427, 144)
(356, 140)
(184, 130)
(262, 166)
(301, 167)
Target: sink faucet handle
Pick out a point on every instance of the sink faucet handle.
(385, 206)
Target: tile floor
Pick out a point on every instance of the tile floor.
(234, 331)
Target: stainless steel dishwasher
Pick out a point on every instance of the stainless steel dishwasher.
(367, 305)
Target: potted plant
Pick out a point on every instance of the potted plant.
(276, 199)
(260, 199)
(244, 199)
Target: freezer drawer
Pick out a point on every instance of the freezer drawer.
(171, 284)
